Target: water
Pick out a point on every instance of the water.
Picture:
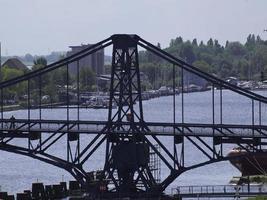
(18, 172)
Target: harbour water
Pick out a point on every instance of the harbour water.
(18, 172)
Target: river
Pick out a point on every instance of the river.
(17, 172)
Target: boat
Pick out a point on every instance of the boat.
(249, 163)
(98, 102)
(163, 91)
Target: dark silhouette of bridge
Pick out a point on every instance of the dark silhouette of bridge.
(127, 136)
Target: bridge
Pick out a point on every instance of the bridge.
(126, 135)
(219, 191)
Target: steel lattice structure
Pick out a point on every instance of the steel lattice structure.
(126, 134)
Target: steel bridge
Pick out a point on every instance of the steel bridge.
(219, 191)
(126, 136)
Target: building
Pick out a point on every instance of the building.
(94, 61)
(15, 63)
(190, 78)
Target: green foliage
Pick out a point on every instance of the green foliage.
(87, 78)
(258, 179)
(245, 61)
(16, 90)
(202, 65)
(9, 73)
(59, 76)
(41, 61)
(157, 74)
(236, 49)
(187, 52)
(258, 198)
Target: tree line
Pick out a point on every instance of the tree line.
(52, 84)
(245, 61)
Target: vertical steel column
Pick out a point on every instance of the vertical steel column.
(182, 153)
(29, 113)
(139, 85)
(125, 89)
(213, 119)
(1, 62)
(259, 113)
(213, 106)
(221, 110)
(68, 114)
(111, 91)
(2, 95)
(40, 98)
(40, 109)
(221, 114)
(111, 100)
(2, 107)
(125, 77)
(78, 108)
(174, 115)
(252, 118)
(260, 120)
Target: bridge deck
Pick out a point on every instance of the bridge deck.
(20, 128)
(219, 191)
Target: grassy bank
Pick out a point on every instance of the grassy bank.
(258, 198)
(12, 107)
(258, 179)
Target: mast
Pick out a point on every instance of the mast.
(0, 62)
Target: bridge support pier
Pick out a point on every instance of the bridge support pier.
(127, 152)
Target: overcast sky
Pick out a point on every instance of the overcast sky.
(42, 26)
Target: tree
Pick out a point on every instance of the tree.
(236, 49)
(9, 73)
(187, 53)
(210, 42)
(28, 58)
(151, 57)
(194, 43)
(177, 41)
(251, 42)
(59, 76)
(225, 69)
(41, 61)
(245, 61)
(226, 43)
(217, 47)
(203, 66)
(243, 69)
(14, 91)
(38, 64)
(87, 78)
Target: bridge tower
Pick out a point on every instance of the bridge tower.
(127, 153)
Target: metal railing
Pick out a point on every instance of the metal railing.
(220, 190)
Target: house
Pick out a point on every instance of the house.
(15, 63)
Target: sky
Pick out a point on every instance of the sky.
(39, 27)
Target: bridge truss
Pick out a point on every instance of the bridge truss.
(126, 135)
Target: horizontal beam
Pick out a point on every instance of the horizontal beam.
(156, 128)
